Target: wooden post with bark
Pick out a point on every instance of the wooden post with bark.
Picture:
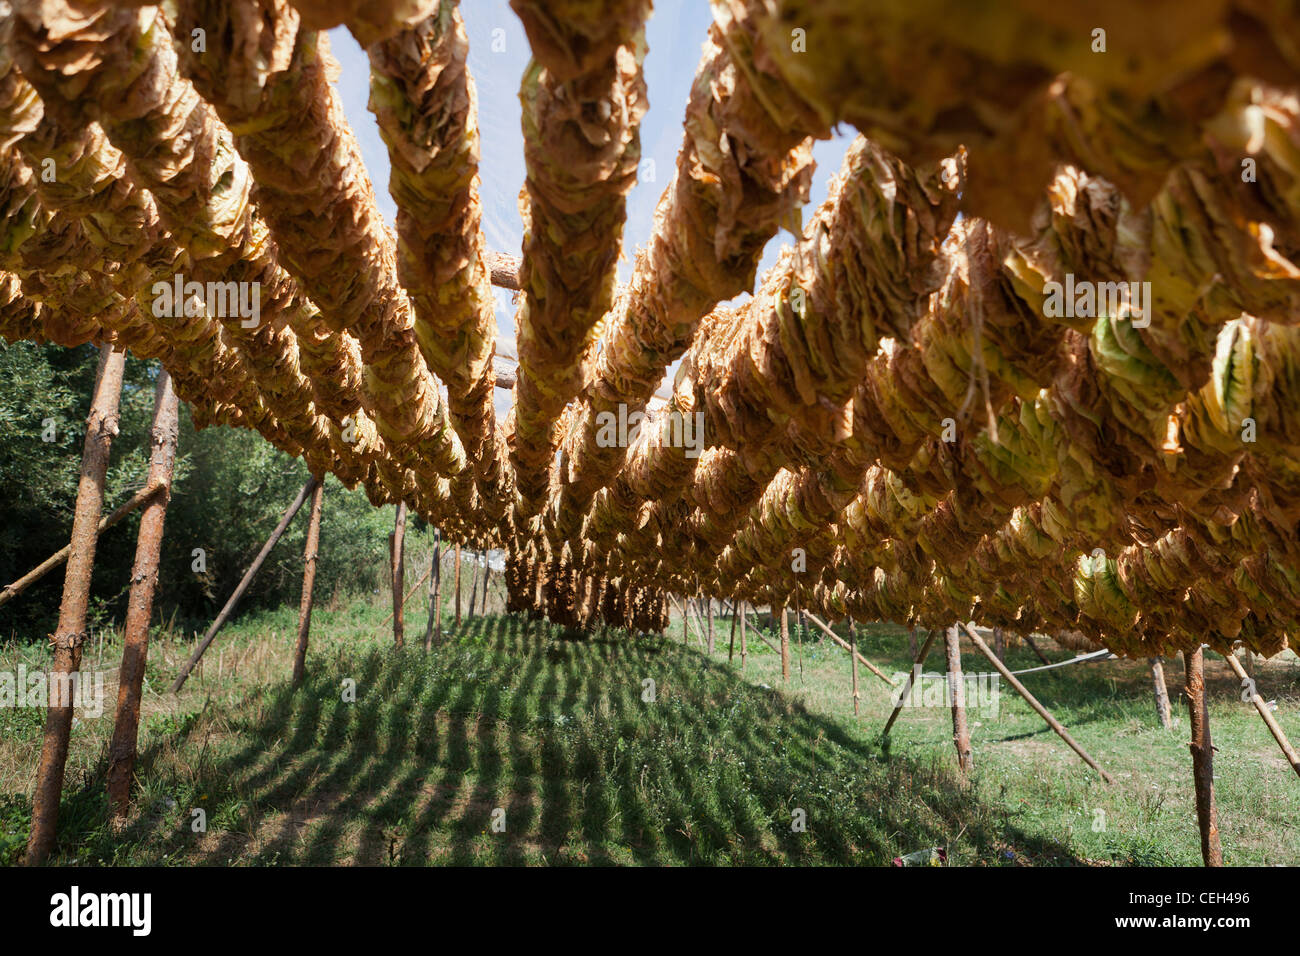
(473, 589)
(1032, 701)
(917, 664)
(247, 579)
(70, 634)
(785, 643)
(683, 608)
(853, 664)
(139, 608)
(309, 552)
(710, 608)
(407, 599)
(1202, 749)
(999, 644)
(800, 632)
(1248, 684)
(456, 584)
(731, 646)
(957, 697)
(744, 647)
(1034, 647)
(398, 566)
(1163, 710)
(433, 628)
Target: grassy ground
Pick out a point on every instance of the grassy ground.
(549, 735)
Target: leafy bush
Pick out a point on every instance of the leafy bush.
(15, 821)
(230, 488)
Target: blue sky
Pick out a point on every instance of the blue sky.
(675, 34)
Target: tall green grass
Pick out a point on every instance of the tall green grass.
(520, 743)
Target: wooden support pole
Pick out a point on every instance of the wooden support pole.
(710, 608)
(247, 579)
(1202, 749)
(903, 695)
(1032, 701)
(683, 608)
(731, 646)
(744, 647)
(101, 427)
(785, 643)
(1163, 710)
(407, 600)
(310, 551)
(1248, 684)
(999, 644)
(473, 589)
(11, 591)
(801, 631)
(1034, 647)
(699, 623)
(399, 574)
(911, 642)
(487, 574)
(504, 269)
(826, 629)
(433, 629)
(139, 608)
(957, 695)
(456, 585)
(853, 664)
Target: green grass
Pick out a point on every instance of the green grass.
(1043, 788)
(551, 728)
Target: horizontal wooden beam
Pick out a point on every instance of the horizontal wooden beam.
(504, 269)
(505, 372)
